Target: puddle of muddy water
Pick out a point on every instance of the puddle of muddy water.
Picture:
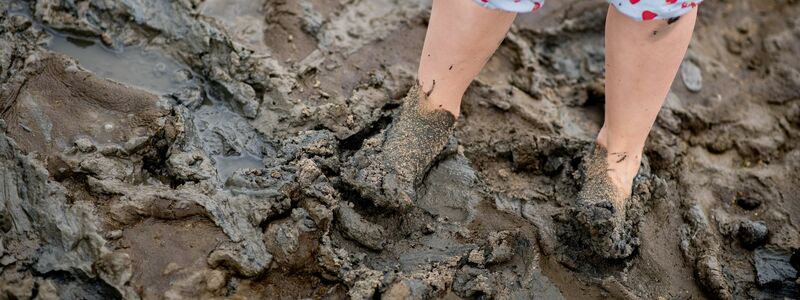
(133, 66)
(227, 137)
(226, 165)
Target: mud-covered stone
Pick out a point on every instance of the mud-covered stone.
(773, 267)
(752, 233)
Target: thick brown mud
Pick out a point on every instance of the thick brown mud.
(200, 150)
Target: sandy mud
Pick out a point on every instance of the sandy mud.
(205, 149)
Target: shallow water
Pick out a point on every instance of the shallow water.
(134, 66)
(228, 138)
(227, 165)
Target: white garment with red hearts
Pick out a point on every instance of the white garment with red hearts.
(636, 9)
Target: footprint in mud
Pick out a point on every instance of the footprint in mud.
(391, 165)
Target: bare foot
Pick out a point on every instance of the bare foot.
(390, 166)
(601, 202)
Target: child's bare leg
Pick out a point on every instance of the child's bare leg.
(461, 38)
(642, 59)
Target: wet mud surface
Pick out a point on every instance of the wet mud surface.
(201, 149)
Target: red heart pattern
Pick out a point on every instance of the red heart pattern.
(648, 15)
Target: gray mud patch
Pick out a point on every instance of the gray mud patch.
(229, 140)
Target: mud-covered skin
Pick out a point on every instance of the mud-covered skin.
(388, 169)
(600, 212)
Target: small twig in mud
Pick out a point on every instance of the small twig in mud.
(667, 26)
(620, 155)
(428, 93)
(13, 100)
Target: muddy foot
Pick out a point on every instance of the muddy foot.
(389, 166)
(601, 210)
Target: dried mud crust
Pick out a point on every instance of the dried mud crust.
(391, 165)
(605, 220)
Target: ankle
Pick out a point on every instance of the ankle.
(622, 161)
(434, 106)
(602, 138)
(439, 100)
(622, 169)
(620, 151)
(436, 103)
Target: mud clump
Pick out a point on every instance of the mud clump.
(752, 234)
(356, 228)
(775, 272)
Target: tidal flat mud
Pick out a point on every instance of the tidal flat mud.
(199, 150)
